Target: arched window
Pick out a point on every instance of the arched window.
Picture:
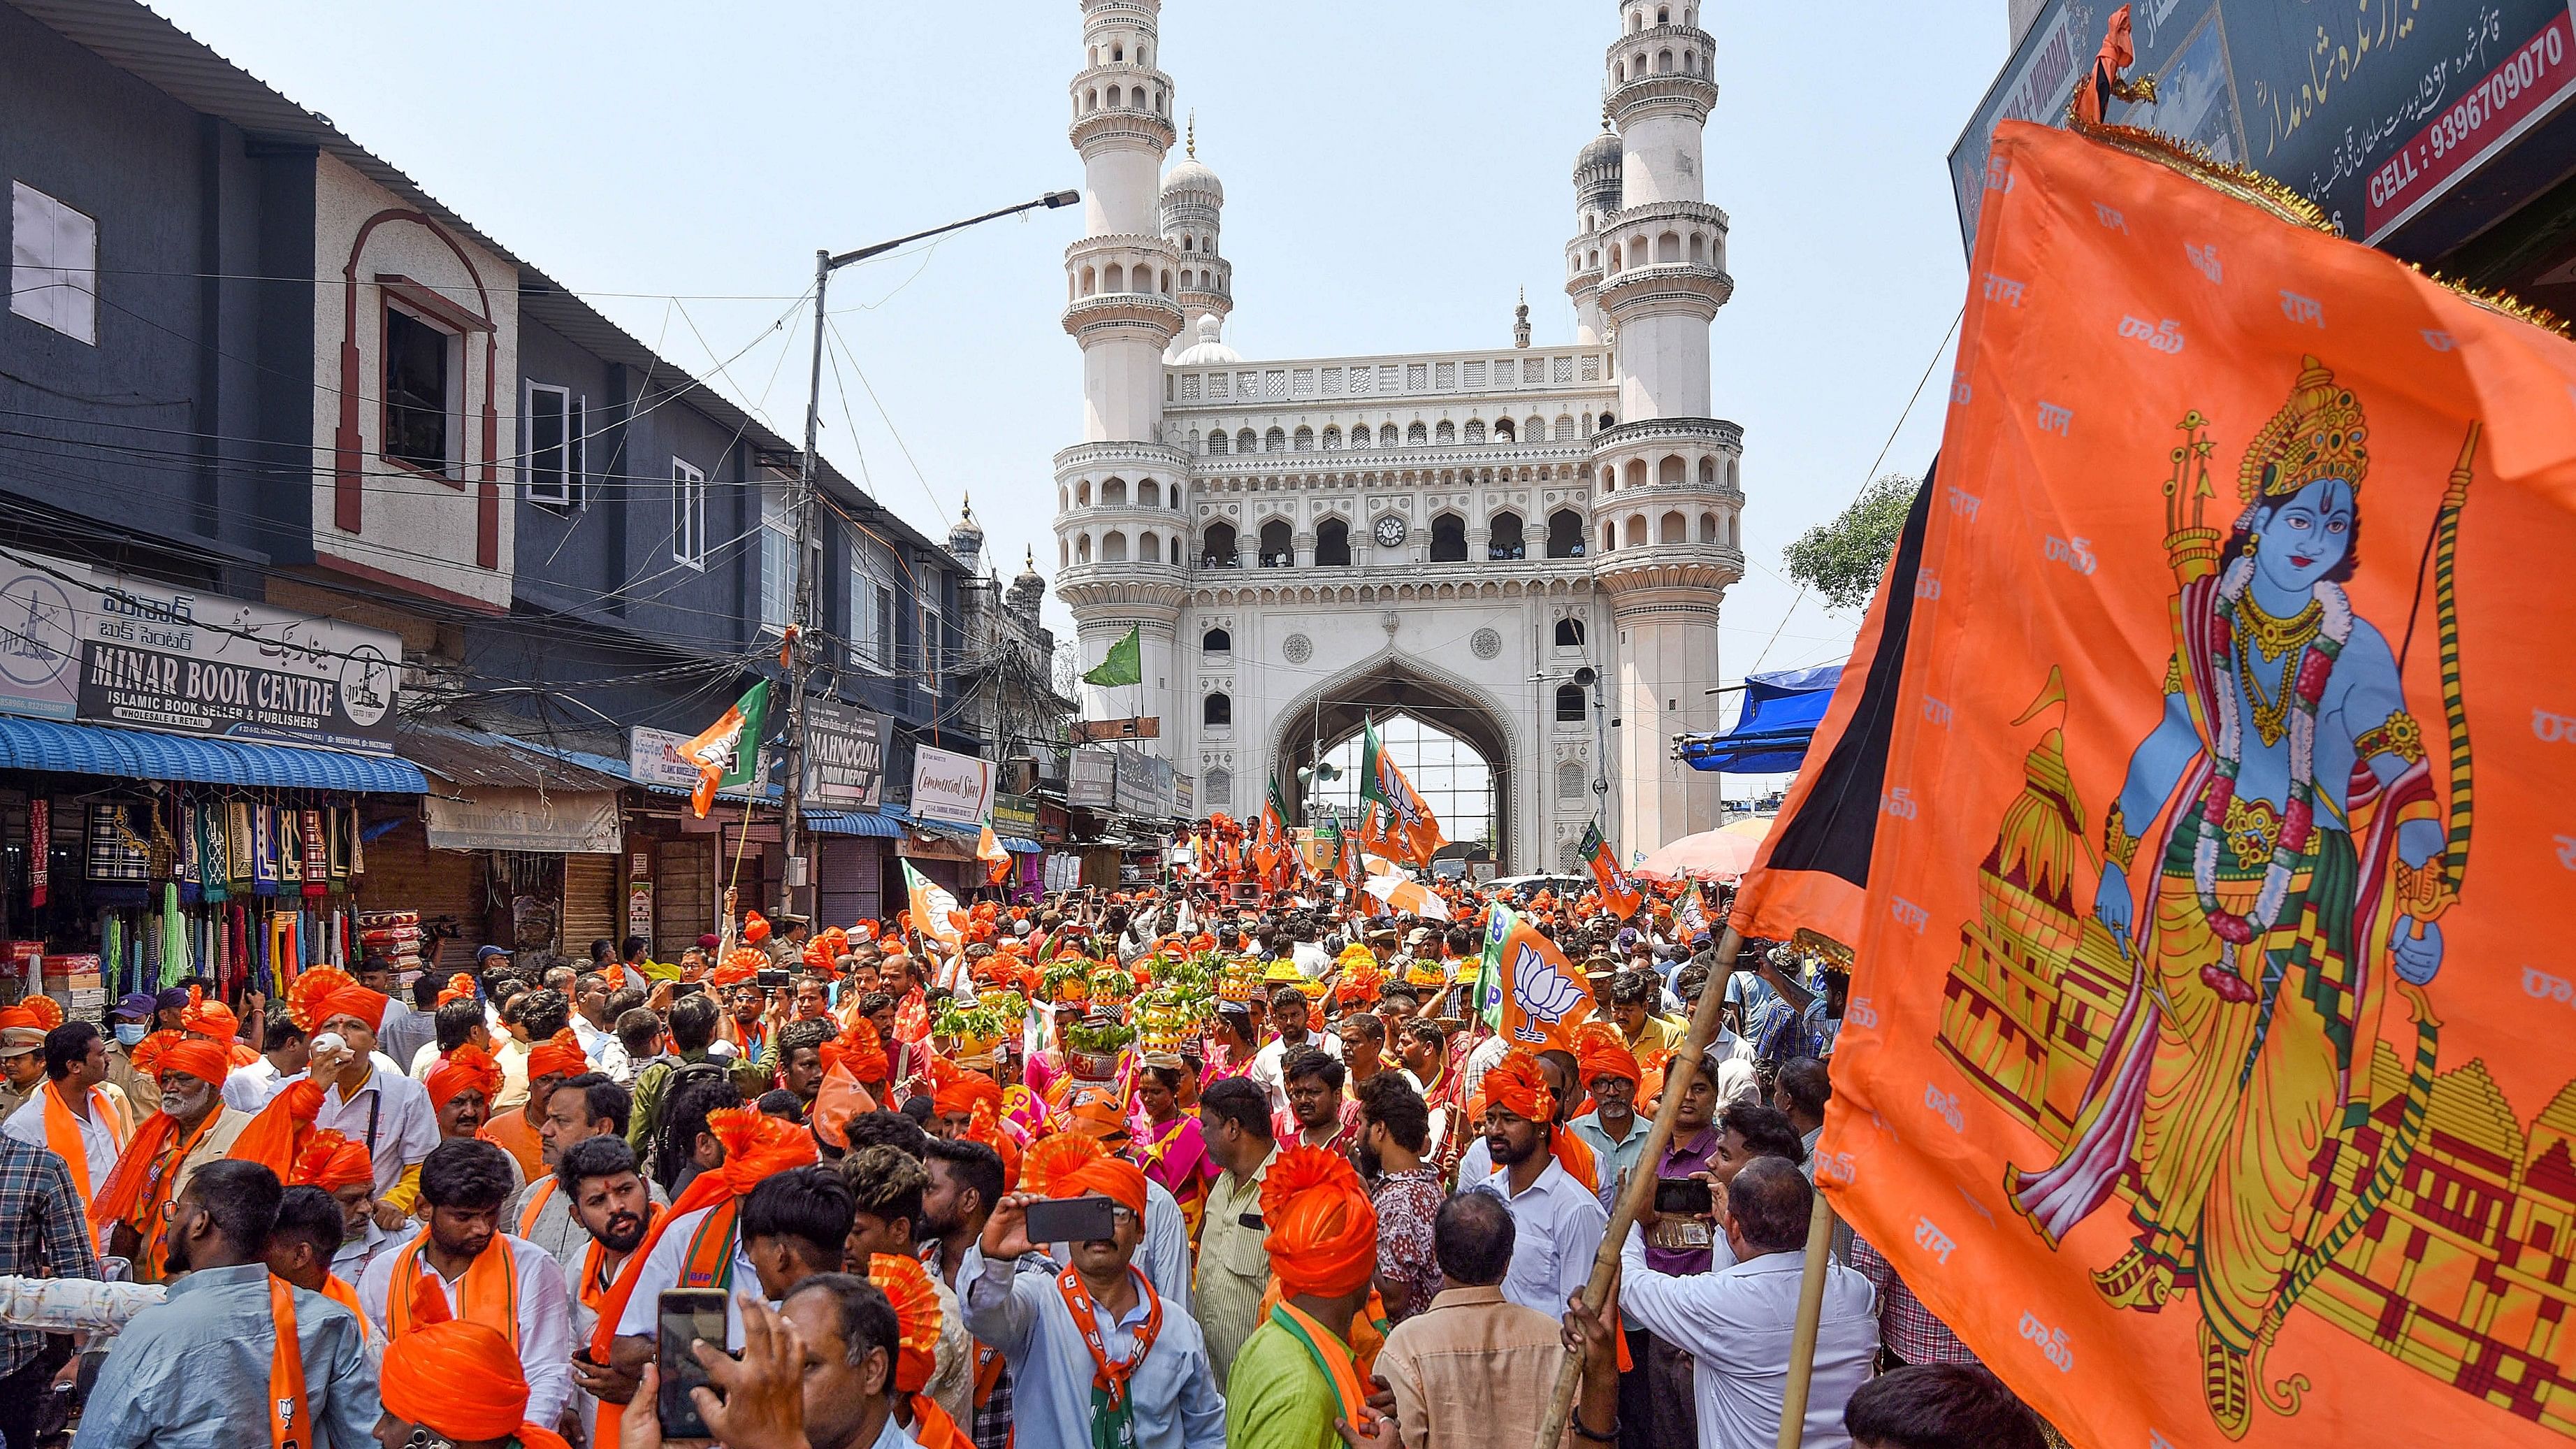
(1565, 432)
(1113, 548)
(1569, 704)
(1082, 493)
(1278, 546)
(1636, 472)
(1386, 435)
(1115, 279)
(1699, 247)
(1275, 441)
(1333, 544)
(1082, 549)
(1217, 547)
(1216, 641)
(1534, 431)
(1189, 244)
(1609, 536)
(1672, 472)
(1304, 441)
(1175, 546)
(1360, 436)
(1708, 528)
(1569, 633)
(1149, 494)
(1217, 711)
(1113, 493)
(1445, 434)
(1332, 440)
(1475, 431)
(1733, 481)
(1090, 281)
(1730, 532)
(1569, 782)
(1244, 442)
(1636, 533)
(1672, 528)
(1218, 443)
(1505, 431)
(1708, 472)
(1166, 280)
(1149, 547)
(1503, 541)
(1663, 62)
(1607, 420)
(1565, 534)
(1448, 539)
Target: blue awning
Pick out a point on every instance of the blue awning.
(852, 822)
(82, 749)
(1781, 713)
(1022, 845)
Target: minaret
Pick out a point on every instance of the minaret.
(1665, 495)
(1193, 210)
(1119, 522)
(1596, 200)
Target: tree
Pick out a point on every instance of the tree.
(1841, 560)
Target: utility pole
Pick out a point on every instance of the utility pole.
(799, 652)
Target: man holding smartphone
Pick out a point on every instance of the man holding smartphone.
(1096, 1349)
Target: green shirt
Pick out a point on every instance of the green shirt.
(644, 1117)
(1278, 1397)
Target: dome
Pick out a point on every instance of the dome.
(1193, 175)
(1602, 150)
(1029, 575)
(966, 540)
(1210, 347)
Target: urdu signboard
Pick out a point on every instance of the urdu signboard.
(109, 648)
(844, 755)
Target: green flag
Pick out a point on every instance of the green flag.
(1125, 662)
(1372, 790)
(1499, 921)
(727, 753)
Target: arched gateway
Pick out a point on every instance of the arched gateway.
(1315, 725)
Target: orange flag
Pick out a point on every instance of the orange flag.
(1544, 997)
(2196, 1070)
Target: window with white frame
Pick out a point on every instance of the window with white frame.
(872, 595)
(688, 513)
(777, 556)
(933, 637)
(53, 264)
(552, 428)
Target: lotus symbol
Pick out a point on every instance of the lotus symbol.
(1544, 992)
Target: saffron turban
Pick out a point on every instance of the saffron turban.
(741, 964)
(47, 1011)
(756, 1146)
(1070, 1165)
(460, 987)
(332, 1160)
(366, 1006)
(208, 1018)
(308, 999)
(468, 1068)
(859, 1049)
(148, 1052)
(1600, 1051)
(207, 1061)
(916, 1313)
(965, 1091)
(559, 1055)
(1517, 1086)
(755, 927)
(461, 1381)
(1323, 1230)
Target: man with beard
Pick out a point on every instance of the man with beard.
(197, 1368)
(581, 1109)
(193, 1128)
(376, 1104)
(1318, 1114)
(1395, 1128)
(599, 1187)
(507, 1284)
(1557, 1220)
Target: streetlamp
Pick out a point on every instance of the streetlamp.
(809, 534)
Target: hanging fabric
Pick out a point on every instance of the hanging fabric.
(214, 871)
(317, 862)
(240, 854)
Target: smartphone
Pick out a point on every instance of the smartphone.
(685, 1314)
(770, 980)
(1681, 1196)
(689, 988)
(1072, 1220)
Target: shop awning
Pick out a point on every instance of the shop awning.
(82, 749)
(480, 758)
(852, 822)
(1021, 845)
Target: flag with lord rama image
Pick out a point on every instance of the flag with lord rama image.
(727, 753)
(1617, 894)
(1407, 828)
(2195, 1069)
(1123, 664)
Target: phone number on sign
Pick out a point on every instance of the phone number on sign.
(2505, 98)
(2531, 65)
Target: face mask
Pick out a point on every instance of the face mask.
(129, 1033)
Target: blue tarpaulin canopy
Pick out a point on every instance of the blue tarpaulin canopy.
(1781, 713)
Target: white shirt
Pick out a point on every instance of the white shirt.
(661, 1270)
(1265, 1068)
(406, 1126)
(357, 1250)
(98, 1139)
(1556, 1230)
(592, 1039)
(1488, 1054)
(424, 1061)
(248, 1089)
(545, 1318)
(1736, 1323)
(1476, 1163)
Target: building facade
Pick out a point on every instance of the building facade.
(1525, 546)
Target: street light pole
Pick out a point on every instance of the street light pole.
(799, 651)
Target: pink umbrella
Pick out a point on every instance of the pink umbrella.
(1725, 853)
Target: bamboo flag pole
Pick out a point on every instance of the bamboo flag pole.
(733, 881)
(1641, 1182)
(1811, 1311)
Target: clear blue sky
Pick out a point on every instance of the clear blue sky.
(1394, 174)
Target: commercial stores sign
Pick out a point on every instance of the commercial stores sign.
(2370, 111)
(952, 788)
(109, 648)
(845, 755)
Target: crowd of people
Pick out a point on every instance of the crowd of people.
(1339, 1205)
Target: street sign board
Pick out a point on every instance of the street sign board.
(1103, 731)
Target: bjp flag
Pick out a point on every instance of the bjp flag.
(935, 916)
(2199, 1068)
(1409, 830)
(1543, 998)
(1617, 894)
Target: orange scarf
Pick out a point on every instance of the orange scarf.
(337, 1289)
(536, 1204)
(932, 1428)
(488, 1294)
(63, 1136)
(286, 1371)
(1330, 1354)
(145, 1175)
(594, 1284)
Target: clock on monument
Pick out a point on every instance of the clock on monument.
(1390, 531)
